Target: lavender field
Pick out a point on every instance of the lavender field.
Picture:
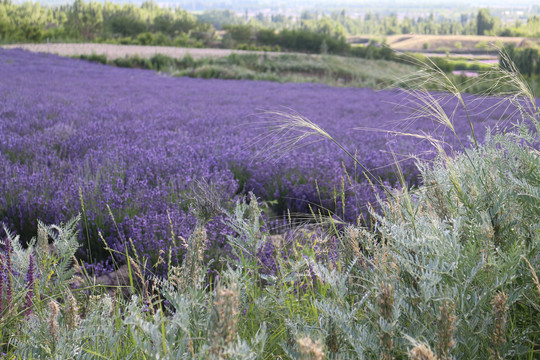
(190, 184)
(77, 137)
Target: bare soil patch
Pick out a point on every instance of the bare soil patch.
(463, 42)
(120, 51)
(457, 44)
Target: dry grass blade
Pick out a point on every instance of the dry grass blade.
(432, 76)
(436, 143)
(533, 274)
(285, 131)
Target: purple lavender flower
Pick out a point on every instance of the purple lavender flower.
(266, 257)
(8, 273)
(29, 286)
(2, 274)
(139, 143)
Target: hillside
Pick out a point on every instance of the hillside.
(457, 44)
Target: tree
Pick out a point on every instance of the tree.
(331, 28)
(241, 34)
(6, 28)
(484, 22)
(219, 18)
(126, 25)
(86, 19)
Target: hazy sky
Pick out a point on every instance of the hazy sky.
(368, 4)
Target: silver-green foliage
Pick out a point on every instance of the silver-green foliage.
(449, 252)
(175, 323)
(452, 265)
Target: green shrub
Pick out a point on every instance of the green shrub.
(444, 64)
(373, 51)
(185, 63)
(302, 40)
(482, 45)
(102, 59)
(146, 38)
(133, 62)
(161, 62)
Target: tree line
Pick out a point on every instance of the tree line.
(150, 24)
(341, 23)
(103, 22)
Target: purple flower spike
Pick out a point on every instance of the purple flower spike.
(77, 137)
(29, 286)
(1, 284)
(8, 272)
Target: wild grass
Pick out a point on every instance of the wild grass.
(329, 69)
(467, 43)
(448, 270)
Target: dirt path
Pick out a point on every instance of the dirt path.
(120, 51)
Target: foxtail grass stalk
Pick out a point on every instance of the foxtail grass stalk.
(445, 330)
(53, 320)
(500, 312)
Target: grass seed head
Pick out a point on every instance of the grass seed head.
(422, 352)
(53, 320)
(8, 273)
(72, 312)
(386, 302)
(192, 266)
(310, 350)
(224, 319)
(42, 241)
(446, 327)
(500, 309)
(533, 274)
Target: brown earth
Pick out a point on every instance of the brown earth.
(456, 44)
(120, 51)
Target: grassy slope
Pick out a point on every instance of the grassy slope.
(328, 69)
(465, 43)
(283, 67)
(228, 64)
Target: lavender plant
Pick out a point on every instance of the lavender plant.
(78, 137)
(447, 270)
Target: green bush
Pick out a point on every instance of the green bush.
(102, 59)
(133, 62)
(444, 64)
(373, 51)
(302, 41)
(185, 63)
(146, 38)
(161, 62)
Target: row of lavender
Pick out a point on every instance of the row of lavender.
(77, 137)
